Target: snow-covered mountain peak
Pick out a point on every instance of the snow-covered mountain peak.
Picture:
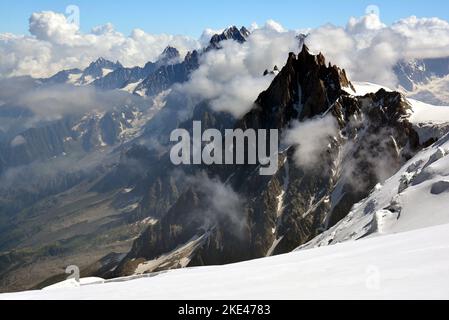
(100, 68)
(169, 56)
(170, 53)
(231, 33)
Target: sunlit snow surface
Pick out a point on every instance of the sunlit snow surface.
(403, 266)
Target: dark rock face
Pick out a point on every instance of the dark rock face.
(93, 72)
(275, 71)
(275, 214)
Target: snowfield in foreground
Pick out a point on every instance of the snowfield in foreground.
(412, 265)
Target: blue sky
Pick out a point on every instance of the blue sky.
(193, 16)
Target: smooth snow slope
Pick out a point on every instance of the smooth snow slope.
(423, 112)
(428, 120)
(412, 265)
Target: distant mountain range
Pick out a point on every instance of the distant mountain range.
(149, 80)
(93, 72)
(425, 79)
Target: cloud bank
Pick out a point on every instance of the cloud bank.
(26, 104)
(56, 44)
(231, 78)
(368, 49)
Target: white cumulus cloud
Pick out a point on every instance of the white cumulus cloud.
(310, 139)
(368, 49)
(232, 78)
(56, 44)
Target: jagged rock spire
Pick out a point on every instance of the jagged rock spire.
(304, 88)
